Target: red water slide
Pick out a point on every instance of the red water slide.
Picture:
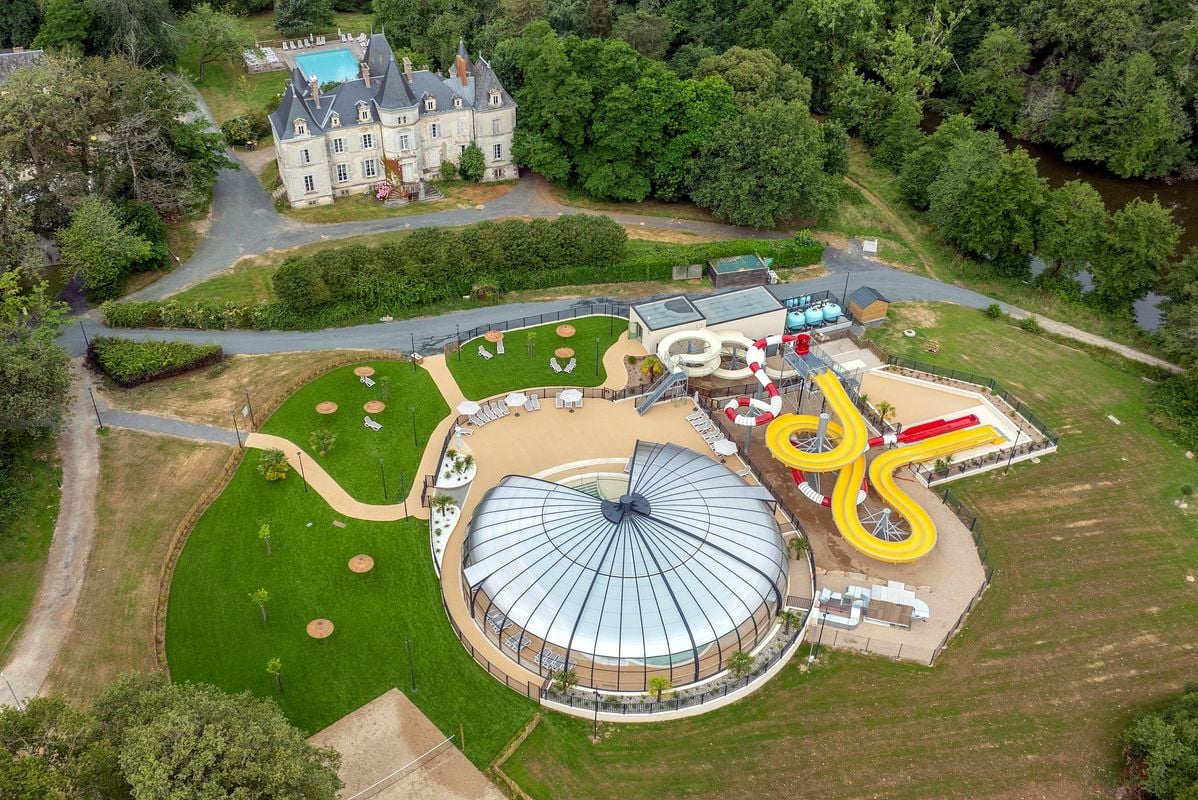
(926, 430)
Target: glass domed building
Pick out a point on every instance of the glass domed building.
(670, 579)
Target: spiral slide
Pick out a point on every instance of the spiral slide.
(755, 355)
(881, 474)
(854, 439)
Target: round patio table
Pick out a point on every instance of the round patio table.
(374, 407)
(361, 564)
(364, 372)
(327, 407)
(493, 336)
(564, 352)
(320, 629)
(565, 331)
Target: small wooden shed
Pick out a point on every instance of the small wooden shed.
(867, 305)
(738, 271)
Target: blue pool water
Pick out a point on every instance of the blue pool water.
(332, 65)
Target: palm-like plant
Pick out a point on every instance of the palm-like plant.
(442, 503)
(789, 620)
(739, 663)
(797, 547)
(658, 685)
(564, 681)
(462, 464)
(885, 411)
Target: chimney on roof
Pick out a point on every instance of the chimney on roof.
(366, 74)
(314, 86)
(407, 67)
(459, 66)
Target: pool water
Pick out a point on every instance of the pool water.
(330, 66)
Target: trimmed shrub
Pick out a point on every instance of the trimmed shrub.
(144, 219)
(801, 250)
(240, 131)
(131, 363)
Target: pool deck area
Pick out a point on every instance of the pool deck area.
(288, 56)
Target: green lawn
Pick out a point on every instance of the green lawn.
(1089, 620)
(354, 460)
(214, 633)
(524, 366)
(458, 194)
(25, 534)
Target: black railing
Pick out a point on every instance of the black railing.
(529, 690)
(619, 311)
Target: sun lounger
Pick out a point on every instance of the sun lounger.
(498, 621)
(485, 353)
(570, 366)
(366, 380)
(499, 347)
(284, 45)
(532, 404)
(477, 421)
(374, 426)
(558, 402)
(501, 409)
(487, 415)
(517, 643)
(744, 472)
(556, 367)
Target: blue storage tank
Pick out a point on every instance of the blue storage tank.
(831, 312)
(795, 321)
(814, 316)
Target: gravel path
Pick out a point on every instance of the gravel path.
(49, 619)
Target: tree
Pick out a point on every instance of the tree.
(789, 619)
(144, 32)
(191, 741)
(1070, 228)
(1179, 332)
(20, 23)
(274, 667)
(260, 597)
(1162, 749)
(472, 164)
(322, 440)
(272, 464)
(1138, 243)
(818, 39)
(64, 26)
(766, 166)
(739, 663)
(214, 35)
(757, 75)
(99, 247)
(264, 536)
(34, 369)
(648, 34)
(52, 750)
(995, 80)
(797, 546)
(658, 685)
(923, 165)
(597, 20)
(886, 411)
(1125, 116)
(294, 17)
(564, 680)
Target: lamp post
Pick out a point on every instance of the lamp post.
(96, 408)
(414, 367)
(595, 724)
(86, 343)
(13, 692)
(1018, 430)
(299, 459)
(236, 430)
(596, 355)
(403, 493)
(457, 335)
(250, 408)
(383, 476)
(411, 666)
(415, 442)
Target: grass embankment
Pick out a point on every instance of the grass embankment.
(215, 634)
(888, 216)
(524, 365)
(1090, 618)
(413, 409)
(458, 194)
(112, 629)
(26, 531)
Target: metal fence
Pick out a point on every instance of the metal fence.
(852, 640)
(608, 309)
(532, 691)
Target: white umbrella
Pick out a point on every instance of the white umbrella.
(516, 399)
(724, 447)
(572, 395)
(468, 407)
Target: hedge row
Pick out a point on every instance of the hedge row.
(130, 362)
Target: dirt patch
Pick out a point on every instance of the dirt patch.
(618, 291)
(213, 395)
(919, 315)
(386, 736)
(666, 235)
(112, 631)
(482, 192)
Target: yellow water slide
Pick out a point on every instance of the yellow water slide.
(854, 439)
(881, 475)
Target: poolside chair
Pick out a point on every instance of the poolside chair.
(570, 366)
(529, 405)
(536, 403)
(485, 353)
(744, 472)
(284, 45)
(366, 380)
(374, 426)
(556, 367)
(498, 621)
(477, 421)
(499, 347)
(501, 408)
(517, 643)
(558, 402)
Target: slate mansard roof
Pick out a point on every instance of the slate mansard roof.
(390, 89)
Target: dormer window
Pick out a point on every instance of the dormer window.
(334, 121)
(301, 127)
(494, 98)
(363, 113)
(430, 104)
(457, 102)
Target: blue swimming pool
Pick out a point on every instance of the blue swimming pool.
(330, 66)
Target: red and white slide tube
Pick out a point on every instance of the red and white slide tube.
(768, 410)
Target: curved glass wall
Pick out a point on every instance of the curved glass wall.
(685, 569)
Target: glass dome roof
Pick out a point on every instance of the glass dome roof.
(690, 558)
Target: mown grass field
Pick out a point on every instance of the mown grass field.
(1090, 619)
(524, 365)
(413, 409)
(215, 634)
(25, 534)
